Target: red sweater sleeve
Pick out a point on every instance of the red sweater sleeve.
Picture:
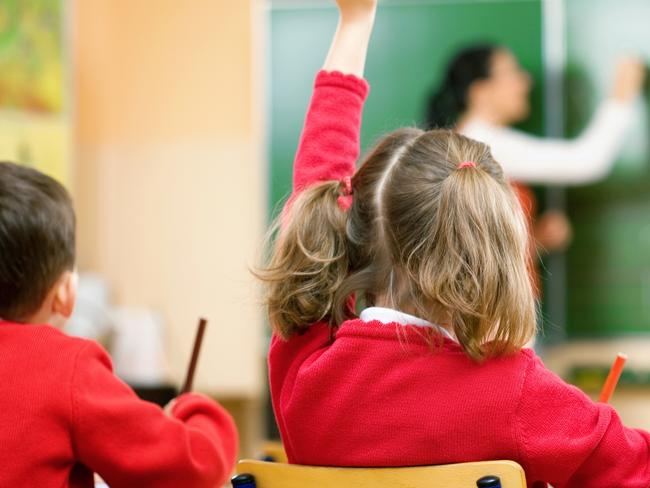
(329, 143)
(130, 442)
(571, 442)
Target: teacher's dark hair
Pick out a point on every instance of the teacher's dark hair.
(449, 99)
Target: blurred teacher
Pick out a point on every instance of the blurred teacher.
(485, 90)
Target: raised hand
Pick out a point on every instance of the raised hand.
(629, 78)
(355, 10)
(350, 44)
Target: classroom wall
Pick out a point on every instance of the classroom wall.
(168, 174)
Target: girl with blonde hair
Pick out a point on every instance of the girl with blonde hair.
(428, 240)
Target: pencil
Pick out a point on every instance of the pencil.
(612, 378)
(189, 379)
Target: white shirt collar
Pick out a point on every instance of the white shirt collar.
(389, 316)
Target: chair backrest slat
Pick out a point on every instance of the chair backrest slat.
(465, 475)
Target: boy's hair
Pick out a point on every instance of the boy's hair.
(422, 235)
(37, 238)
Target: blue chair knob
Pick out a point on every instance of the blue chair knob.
(489, 482)
(243, 481)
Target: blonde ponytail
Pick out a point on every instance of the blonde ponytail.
(309, 260)
(454, 246)
(477, 271)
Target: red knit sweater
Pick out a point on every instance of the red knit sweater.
(65, 415)
(378, 395)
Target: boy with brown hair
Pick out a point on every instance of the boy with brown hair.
(64, 414)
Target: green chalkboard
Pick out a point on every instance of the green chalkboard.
(598, 33)
(411, 44)
(609, 262)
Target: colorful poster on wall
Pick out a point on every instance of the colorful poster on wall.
(34, 115)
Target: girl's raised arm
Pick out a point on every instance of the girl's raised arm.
(329, 144)
(349, 47)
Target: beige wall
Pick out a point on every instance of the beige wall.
(168, 177)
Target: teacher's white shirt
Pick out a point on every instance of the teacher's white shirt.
(530, 159)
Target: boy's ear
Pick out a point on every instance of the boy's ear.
(65, 294)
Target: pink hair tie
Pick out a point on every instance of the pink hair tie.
(467, 164)
(345, 200)
(347, 185)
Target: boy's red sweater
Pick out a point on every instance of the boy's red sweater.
(378, 395)
(65, 415)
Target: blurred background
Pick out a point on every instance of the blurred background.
(174, 126)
